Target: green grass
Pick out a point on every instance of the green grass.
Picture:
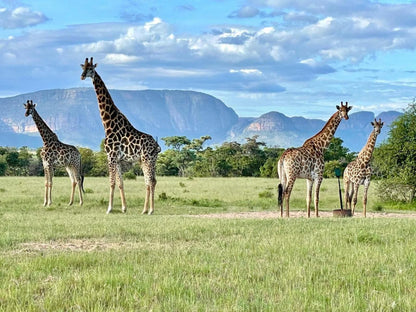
(80, 259)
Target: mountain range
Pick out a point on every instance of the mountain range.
(73, 114)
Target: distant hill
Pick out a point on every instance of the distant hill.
(73, 115)
(279, 130)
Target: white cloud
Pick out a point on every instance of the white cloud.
(20, 17)
(118, 58)
(247, 71)
(245, 12)
(294, 52)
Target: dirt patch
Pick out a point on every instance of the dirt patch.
(299, 214)
(73, 245)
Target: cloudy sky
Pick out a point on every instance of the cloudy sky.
(298, 57)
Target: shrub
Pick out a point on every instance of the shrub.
(265, 194)
(129, 175)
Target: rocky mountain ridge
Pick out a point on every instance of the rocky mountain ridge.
(73, 114)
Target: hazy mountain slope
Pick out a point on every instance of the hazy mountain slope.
(73, 114)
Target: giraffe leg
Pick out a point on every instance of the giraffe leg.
(79, 180)
(287, 193)
(50, 176)
(112, 175)
(146, 200)
(346, 196)
(309, 185)
(46, 196)
(80, 189)
(354, 198)
(120, 183)
(350, 196)
(73, 185)
(366, 185)
(317, 188)
(152, 198)
(48, 184)
(148, 168)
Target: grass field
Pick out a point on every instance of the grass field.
(75, 258)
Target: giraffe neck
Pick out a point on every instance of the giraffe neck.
(322, 139)
(367, 151)
(45, 132)
(108, 110)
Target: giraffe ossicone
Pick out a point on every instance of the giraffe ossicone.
(55, 153)
(307, 162)
(358, 172)
(123, 142)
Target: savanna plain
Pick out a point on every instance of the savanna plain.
(213, 244)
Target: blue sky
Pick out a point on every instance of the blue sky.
(298, 57)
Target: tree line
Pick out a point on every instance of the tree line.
(183, 157)
(394, 160)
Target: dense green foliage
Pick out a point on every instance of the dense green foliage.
(184, 157)
(395, 159)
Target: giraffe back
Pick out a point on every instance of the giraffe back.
(302, 162)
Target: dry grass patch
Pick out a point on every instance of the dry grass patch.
(298, 214)
(73, 245)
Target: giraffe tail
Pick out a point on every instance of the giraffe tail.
(280, 194)
(82, 183)
(280, 197)
(282, 184)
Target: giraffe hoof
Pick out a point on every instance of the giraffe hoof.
(150, 212)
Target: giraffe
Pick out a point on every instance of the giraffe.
(56, 153)
(307, 162)
(358, 172)
(123, 142)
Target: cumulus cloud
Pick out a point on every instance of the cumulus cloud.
(245, 12)
(304, 43)
(20, 17)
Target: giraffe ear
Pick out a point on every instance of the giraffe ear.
(338, 107)
(95, 65)
(372, 123)
(349, 108)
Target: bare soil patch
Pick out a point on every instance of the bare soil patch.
(300, 214)
(84, 245)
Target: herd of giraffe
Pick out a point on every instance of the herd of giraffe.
(125, 143)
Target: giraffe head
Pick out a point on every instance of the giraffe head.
(377, 126)
(343, 110)
(88, 69)
(29, 106)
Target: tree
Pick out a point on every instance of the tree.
(100, 168)
(336, 156)
(87, 160)
(395, 159)
(336, 151)
(253, 157)
(176, 142)
(3, 165)
(183, 156)
(269, 168)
